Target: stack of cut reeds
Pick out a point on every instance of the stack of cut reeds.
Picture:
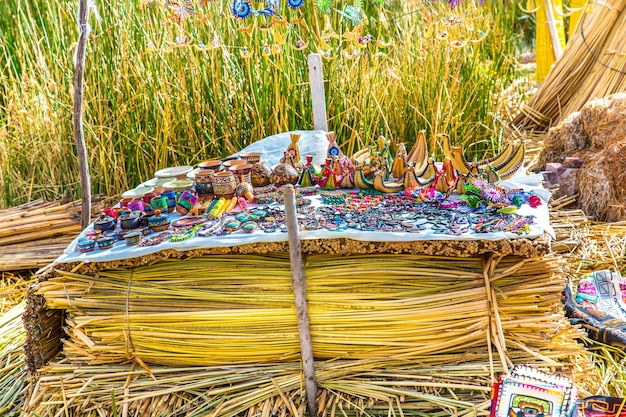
(593, 65)
(35, 234)
(13, 374)
(407, 333)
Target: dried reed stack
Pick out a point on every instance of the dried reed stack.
(592, 65)
(13, 373)
(35, 234)
(406, 333)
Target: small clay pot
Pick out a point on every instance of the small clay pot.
(186, 201)
(251, 157)
(104, 223)
(214, 165)
(158, 222)
(106, 242)
(204, 182)
(170, 196)
(224, 184)
(242, 172)
(129, 221)
(232, 162)
(133, 238)
(86, 245)
(159, 203)
(260, 174)
(135, 205)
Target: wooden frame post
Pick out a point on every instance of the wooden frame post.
(316, 80)
(299, 293)
(79, 134)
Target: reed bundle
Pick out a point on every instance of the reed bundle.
(592, 65)
(13, 373)
(13, 288)
(355, 388)
(220, 310)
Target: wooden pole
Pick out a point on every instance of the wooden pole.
(79, 134)
(554, 33)
(299, 292)
(318, 97)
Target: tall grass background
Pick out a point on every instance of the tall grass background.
(150, 104)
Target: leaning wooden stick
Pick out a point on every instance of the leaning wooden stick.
(299, 292)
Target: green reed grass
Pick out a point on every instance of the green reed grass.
(149, 105)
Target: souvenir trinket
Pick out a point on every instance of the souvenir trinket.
(159, 203)
(104, 223)
(135, 205)
(203, 182)
(170, 197)
(310, 173)
(224, 184)
(231, 224)
(157, 183)
(93, 234)
(228, 164)
(398, 167)
(186, 201)
(129, 220)
(105, 242)
(179, 172)
(292, 154)
(86, 245)
(133, 238)
(260, 175)
(246, 191)
(158, 222)
(214, 165)
(249, 227)
(242, 172)
(177, 186)
(284, 174)
(251, 157)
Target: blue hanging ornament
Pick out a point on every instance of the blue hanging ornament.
(294, 4)
(241, 9)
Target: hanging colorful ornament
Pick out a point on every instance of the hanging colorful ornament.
(241, 9)
(294, 4)
(245, 52)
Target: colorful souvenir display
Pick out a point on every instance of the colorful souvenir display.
(410, 193)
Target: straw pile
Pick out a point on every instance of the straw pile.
(407, 333)
(596, 135)
(13, 373)
(592, 65)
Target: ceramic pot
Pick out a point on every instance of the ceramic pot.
(93, 234)
(204, 181)
(86, 245)
(104, 223)
(284, 174)
(146, 198)
(214, 165)
(232, 162)
(109, 211)
(170, 196)
(143, 220)
(158, 222)
(106, 242)
(159, 203)
(251, 157)
(124, 202)
(135, 205)
(224, 184)
(260, 174)
(129, 220)
(186, 201)
(242, 172)
(133, 238)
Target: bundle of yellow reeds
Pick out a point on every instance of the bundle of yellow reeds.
(35, 234)
(592, 65)
(13, 374)
(220, 310)
(13, 288)
(353, 388)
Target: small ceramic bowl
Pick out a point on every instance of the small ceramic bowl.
(86, 245)
(179, 172)
(157, 183)
(178, 186)
(137, 192)
(232, 162)
(106, 242)
(251, 157)
(133, 238)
